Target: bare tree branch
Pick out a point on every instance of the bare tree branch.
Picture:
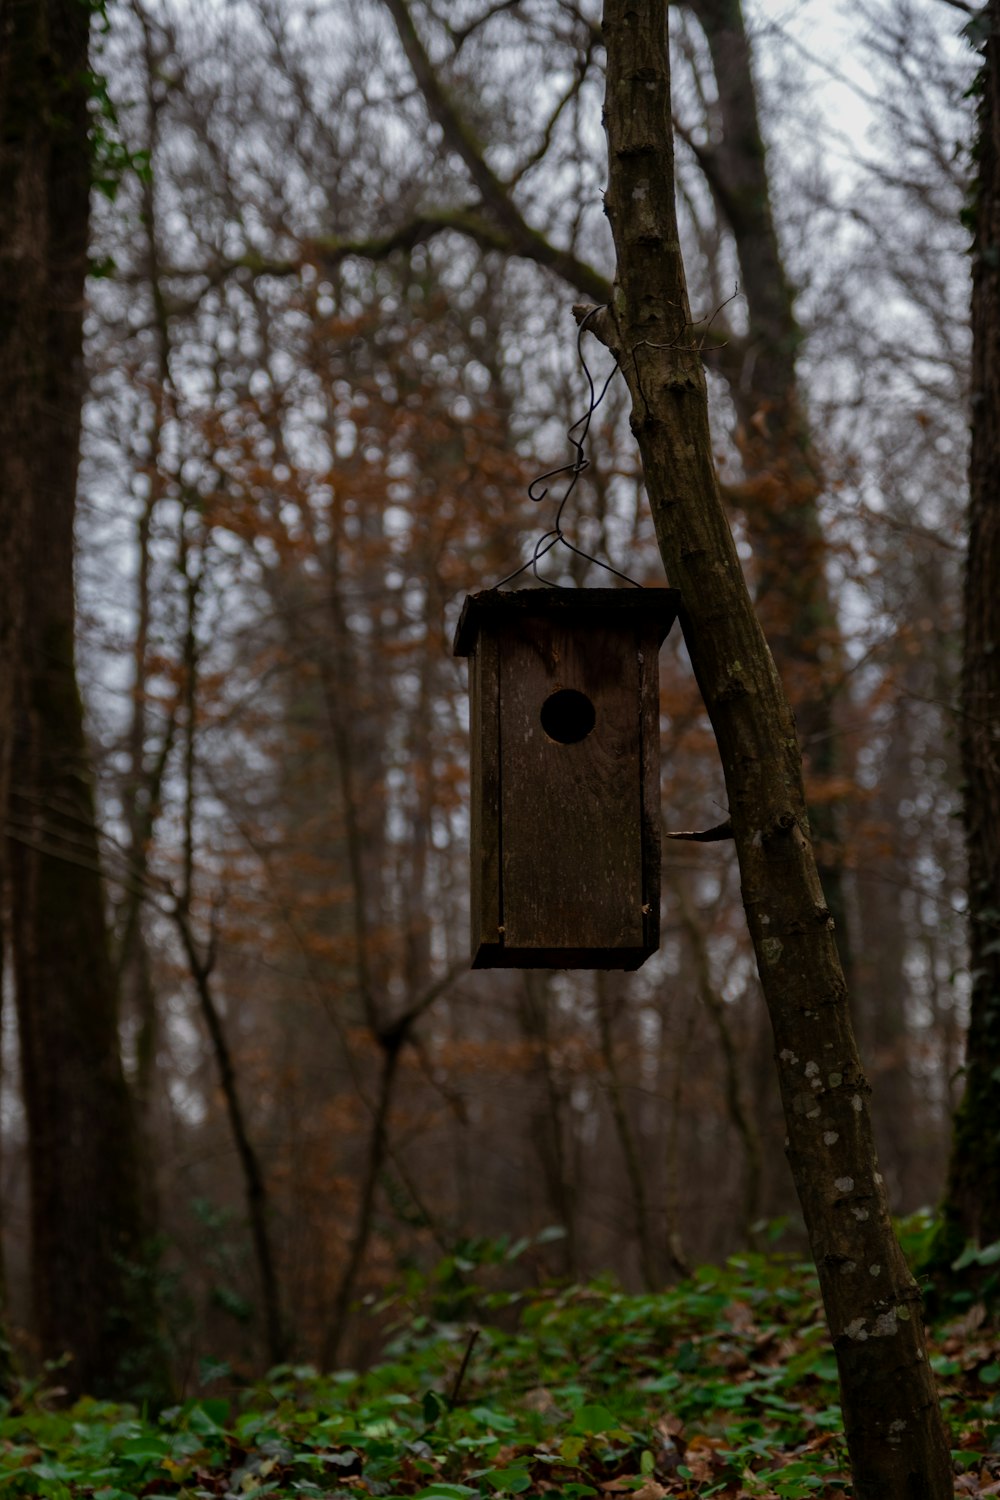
(522, 238)
(707, 835)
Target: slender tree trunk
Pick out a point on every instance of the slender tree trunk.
(550, 1120)
(626, 1139)
(143, 781)
(894, 1431)
(254, 1184)
(674, 1050)
(884, 930)
(378, 1144)
(391, 1037)
(972, 1202)
(201, 966)
(784, 472)
(740, 1119)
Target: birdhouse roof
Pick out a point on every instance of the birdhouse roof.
(651, 608)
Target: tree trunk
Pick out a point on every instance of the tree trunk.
(22, 293)
(897, 1442)
(550, 1120)
(784, 473)
(91, 1293)
(972, 1203)
(642, 1229)
(739, 1117)
(276, 1334)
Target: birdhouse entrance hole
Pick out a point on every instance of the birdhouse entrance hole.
(565, 775)
(568, 716)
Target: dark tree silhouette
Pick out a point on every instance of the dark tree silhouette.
(90, 1294)
(972, 1203)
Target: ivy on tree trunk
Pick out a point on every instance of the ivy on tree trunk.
(893, 1425)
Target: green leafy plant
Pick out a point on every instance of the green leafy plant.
(720, 1386)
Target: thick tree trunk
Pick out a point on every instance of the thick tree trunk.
(972, 1204)
(22, 291)
(22, 209)
(88, 1236)
(897, 1441)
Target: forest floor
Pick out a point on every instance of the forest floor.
(723, 1385)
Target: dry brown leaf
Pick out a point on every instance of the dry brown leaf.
(739, 1316)
(701, 1464)
(542, 1401)
(702, 1440)
(701, 1470)
(649, 1491)
(973, 1318)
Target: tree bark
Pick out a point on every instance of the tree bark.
(22, 208)
(91, 1286)
(972, 1202)
(23, 156)
(894, 1431)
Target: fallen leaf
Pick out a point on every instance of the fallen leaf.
(739, 1316)
(649, 1491)
(543, 1402)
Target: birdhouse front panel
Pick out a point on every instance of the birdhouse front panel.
(570, 795)
(564, 693)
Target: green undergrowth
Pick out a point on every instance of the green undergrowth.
(724, 1385)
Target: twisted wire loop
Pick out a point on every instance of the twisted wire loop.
(577, 435)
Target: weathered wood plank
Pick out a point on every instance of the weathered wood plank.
(649, 710)
(572, 855)
(484, 718)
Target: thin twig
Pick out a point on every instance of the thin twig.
(473, 1336)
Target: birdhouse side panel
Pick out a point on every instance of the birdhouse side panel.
(484, 719)
(649, 673)
(571, 811)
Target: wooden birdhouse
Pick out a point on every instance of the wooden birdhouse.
(564, 691)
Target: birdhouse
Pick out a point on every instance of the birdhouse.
(564, 692)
